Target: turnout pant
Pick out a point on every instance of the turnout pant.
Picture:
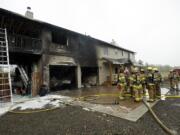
(122, 88)
(151, 91)
(137, 92)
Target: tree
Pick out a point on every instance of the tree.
(114, 42)
(140, 62)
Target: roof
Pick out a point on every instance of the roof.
(52, 25)
(118, 61)
(122, 61)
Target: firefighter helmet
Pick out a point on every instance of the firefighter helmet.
(149, 68)
(155, 69)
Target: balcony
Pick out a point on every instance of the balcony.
(59, 49)
(24, 44)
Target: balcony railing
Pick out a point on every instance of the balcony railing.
(24, 44)
(60, 49)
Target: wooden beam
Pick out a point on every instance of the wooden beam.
(18, 28)
(11, 23)
(2, 21)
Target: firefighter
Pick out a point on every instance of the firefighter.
(143, 80)
(137, 86)
(176, 80)
(157, 81)
(127, 74)
(130, 80)
(170, 77)
(150, 84)
(121, 84)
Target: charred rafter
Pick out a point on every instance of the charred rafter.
(2, 21)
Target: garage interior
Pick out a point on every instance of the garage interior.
(89, 76)
(62, 77)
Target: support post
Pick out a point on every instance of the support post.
(78, 76)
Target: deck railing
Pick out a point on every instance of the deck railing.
(25, 44)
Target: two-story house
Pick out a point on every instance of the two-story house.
(58, 57)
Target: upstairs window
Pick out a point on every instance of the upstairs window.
(106, 51)
(116, 51)
(122, 53)
(59, 39)
(129, 55)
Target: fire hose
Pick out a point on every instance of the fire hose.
(166, 129)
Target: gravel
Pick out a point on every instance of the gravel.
(74, 120)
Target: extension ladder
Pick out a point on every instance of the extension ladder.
(24, 76)
(5, 76)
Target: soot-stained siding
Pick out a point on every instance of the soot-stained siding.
(84, 51)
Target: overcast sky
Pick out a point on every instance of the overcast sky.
(149, 27)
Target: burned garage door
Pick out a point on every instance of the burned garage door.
(89, 76)
(62, 77)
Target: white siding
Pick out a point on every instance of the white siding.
(112, 53)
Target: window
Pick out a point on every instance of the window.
(116, 52)
(59, 39)
(106, 51)
(116, 70)
(129, 55)
(122, 53)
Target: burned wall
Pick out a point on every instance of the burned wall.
(16, 24)
(46, 38)
(84, 50)
(81, 47)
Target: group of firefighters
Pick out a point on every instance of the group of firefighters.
(137, 81)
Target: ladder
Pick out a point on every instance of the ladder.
(5, 75)
(24, 76)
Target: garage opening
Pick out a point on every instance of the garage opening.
(25, 75)
(62, 77)
(89, 76)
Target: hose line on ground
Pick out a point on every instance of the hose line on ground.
(166, 129)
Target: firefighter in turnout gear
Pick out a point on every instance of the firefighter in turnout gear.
(150, 84)
(137, 86)
(157, 82)
(143, 80)
(121, 85)
(170, 77)
(176, 79)
(130, 80)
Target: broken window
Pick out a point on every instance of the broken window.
(59, 39)
(21, 42)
